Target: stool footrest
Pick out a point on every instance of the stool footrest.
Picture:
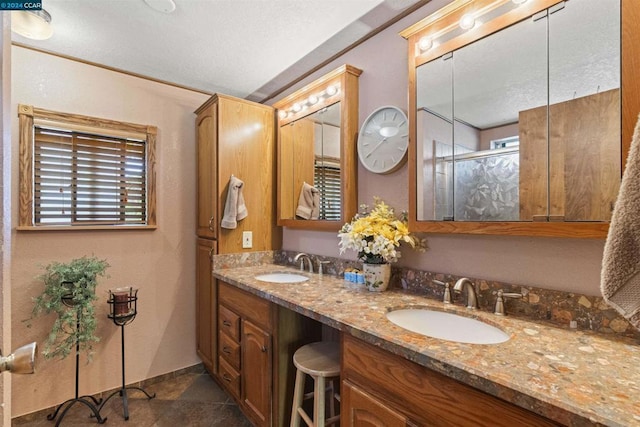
(305, 417)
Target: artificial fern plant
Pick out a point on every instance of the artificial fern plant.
(69, 291)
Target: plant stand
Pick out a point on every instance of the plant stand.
(86, 400)
(124, 307)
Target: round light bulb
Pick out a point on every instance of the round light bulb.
(467, 21)
(332, 90)
(296, 107)
(519, 1)
(425, 43)
(282, 114)
(312, 99)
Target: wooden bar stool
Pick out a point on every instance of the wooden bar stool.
(321, 361)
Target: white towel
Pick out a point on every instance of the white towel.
(308, 202)
(620, 276)
(235, 209)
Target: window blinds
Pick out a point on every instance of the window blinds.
(88, 179)
(327, 181)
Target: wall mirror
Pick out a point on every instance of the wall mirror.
(517, 122)
(317, 184)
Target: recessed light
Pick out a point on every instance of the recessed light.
(165, 6)
(33, 24)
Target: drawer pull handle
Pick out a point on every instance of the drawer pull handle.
(226, 350)
(210, 224)
(226, 323)
(211, 254)
(264, 349)
(226, 378)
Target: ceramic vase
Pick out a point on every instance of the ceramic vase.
(377, 276)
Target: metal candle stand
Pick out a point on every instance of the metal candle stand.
(86, 400)
(123, 309)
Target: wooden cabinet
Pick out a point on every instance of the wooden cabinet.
(256, 342)
(206, 131)
(394, 390)
(365, 410)
(244, 351)
(256, 371)
(205, 304)
(236, 137)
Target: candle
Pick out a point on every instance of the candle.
(121, 301)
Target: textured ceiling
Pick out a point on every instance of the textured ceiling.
(244, 48)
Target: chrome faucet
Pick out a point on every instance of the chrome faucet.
(301, 257)
(472, 296)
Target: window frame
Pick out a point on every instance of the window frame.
(29, 115)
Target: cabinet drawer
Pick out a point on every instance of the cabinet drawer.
(229, 323)
(229, 350)
(247, 305)
(229, 377)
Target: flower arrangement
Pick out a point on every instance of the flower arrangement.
(377, 234)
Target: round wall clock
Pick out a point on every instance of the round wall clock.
(383, 140)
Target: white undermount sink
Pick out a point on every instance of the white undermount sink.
(282, 278)
(447, 326)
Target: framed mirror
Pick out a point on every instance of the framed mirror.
(317, 169)
(517, 120)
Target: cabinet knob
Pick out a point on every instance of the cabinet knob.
(211, 224)
(211, 254)
(263, 349)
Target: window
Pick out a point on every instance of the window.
(84, 172)
(327, 181)
(509, 142)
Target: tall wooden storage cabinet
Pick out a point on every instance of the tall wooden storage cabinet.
(234, 137)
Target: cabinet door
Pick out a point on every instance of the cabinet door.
(360, 409)
(206, 131)
(205, 304)
(256, 373)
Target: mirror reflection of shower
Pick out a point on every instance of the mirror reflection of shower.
(486, 182)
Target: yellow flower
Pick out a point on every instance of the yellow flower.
(376, 234)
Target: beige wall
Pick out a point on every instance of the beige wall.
(564, 264)
(160, 263)
(5, 211)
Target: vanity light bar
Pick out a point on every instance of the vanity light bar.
(467, 22)
(313, 99)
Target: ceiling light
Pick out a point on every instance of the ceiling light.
(33, 24)
(425, 43)
(165, 6)
(467, 21)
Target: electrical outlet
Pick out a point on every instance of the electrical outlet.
(247, 239)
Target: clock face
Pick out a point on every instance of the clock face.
(383, 140)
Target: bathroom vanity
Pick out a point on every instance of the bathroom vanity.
(543, 375)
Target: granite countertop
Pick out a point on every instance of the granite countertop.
(573, 377)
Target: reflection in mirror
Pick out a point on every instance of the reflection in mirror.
(317, 167)
(584, 110)
(524, 125)
(314, 145)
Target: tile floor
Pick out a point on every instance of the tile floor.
(187, 399)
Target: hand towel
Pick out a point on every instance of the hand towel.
(234, 209)
(308, 202)
(620, 275)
